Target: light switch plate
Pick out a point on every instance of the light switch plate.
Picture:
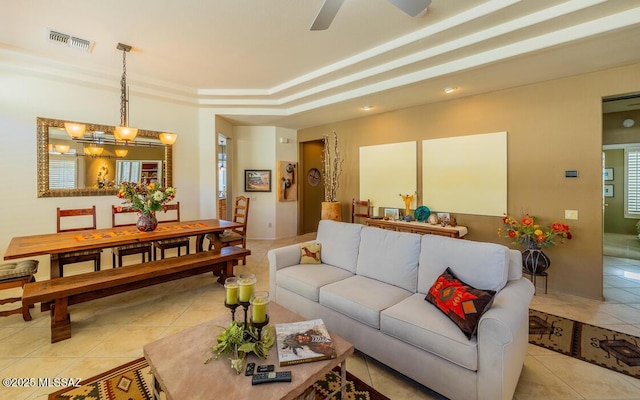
(571, 214)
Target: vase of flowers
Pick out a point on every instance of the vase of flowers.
(146, 199)
(533, 237)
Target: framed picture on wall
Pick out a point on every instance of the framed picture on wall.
(608, 190)
(257, 180)
(607, 174)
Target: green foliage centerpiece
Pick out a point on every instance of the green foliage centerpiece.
(251, 336)
(236, 342)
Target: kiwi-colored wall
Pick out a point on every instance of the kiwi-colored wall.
(552, 127)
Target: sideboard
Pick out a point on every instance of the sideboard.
(423, 228)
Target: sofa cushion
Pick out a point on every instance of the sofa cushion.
(463, 304)
(389, 256)
(481, 265)
(340, 242)
(361, 298)
(306, 280)
(310, 253)
(420, 324)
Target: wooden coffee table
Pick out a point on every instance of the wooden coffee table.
(177, 364)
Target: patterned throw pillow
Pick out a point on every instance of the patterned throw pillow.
(463, 304)
(310, 253)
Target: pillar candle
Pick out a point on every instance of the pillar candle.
(231, 286)
(259, 304)
(247, 285)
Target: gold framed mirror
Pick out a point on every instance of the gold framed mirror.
(95, 164)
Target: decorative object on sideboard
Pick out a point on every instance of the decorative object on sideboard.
(433, 219)
(527, 232)
(421, 213)
(331, 171)
(407, 198)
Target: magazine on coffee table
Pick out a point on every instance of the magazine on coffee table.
(303, 341)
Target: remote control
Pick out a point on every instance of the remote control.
(249, 370)
(268, 377)
(265, 368)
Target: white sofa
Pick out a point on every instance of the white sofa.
(370, 288)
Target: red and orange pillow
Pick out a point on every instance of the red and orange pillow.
(462, 303)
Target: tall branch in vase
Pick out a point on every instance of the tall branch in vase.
(331, 168)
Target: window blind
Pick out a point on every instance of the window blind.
(62, 173)
(632, 177)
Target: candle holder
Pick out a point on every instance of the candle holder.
(260, 310)
(232, 307)
(259, 326)
(245, 306)
(231, 295)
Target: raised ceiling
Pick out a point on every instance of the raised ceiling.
(257, 63)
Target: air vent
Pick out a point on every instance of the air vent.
(70, 41)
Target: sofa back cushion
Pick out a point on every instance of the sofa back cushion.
(390, 257)
(482, 265)
(340, 242)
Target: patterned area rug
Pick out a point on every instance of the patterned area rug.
(133, 381)
(609, 349)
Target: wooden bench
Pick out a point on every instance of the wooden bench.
(69, 290)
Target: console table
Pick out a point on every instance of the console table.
(423, 228)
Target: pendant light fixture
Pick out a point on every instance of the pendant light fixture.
(124, 132)
(168, 138)
(75, 130)
(121, 152)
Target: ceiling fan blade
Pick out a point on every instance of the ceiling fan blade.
(412, 7)
(326, 14)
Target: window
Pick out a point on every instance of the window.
(62, 173)
(632, 182)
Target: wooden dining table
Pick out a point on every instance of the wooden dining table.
(57, 244)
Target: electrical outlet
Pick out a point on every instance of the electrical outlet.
(269, 224)
(571, 214)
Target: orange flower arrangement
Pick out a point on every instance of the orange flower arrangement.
(527, 232)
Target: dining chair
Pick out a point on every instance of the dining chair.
(356, 209)
(143, 248)
(175, 243)
(236, 236)
(71, 220)
(14, 275)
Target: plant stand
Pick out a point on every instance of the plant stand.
(533, 279)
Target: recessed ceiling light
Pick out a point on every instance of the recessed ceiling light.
(449, 90)
(367, 108)
(628, 123)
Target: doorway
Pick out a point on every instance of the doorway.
(621, 244)
(224, 189)
(621, 145)
(312, 185)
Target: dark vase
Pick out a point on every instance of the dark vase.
(147, 222)
(534, 261)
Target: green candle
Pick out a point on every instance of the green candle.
(232, 292)
(247, 284)
(259, 304)
(231, 287)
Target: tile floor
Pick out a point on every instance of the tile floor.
(112, 331)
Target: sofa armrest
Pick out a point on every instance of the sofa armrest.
(503, 340)
(280, 258)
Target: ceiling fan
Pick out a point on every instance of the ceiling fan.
(330, 8)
